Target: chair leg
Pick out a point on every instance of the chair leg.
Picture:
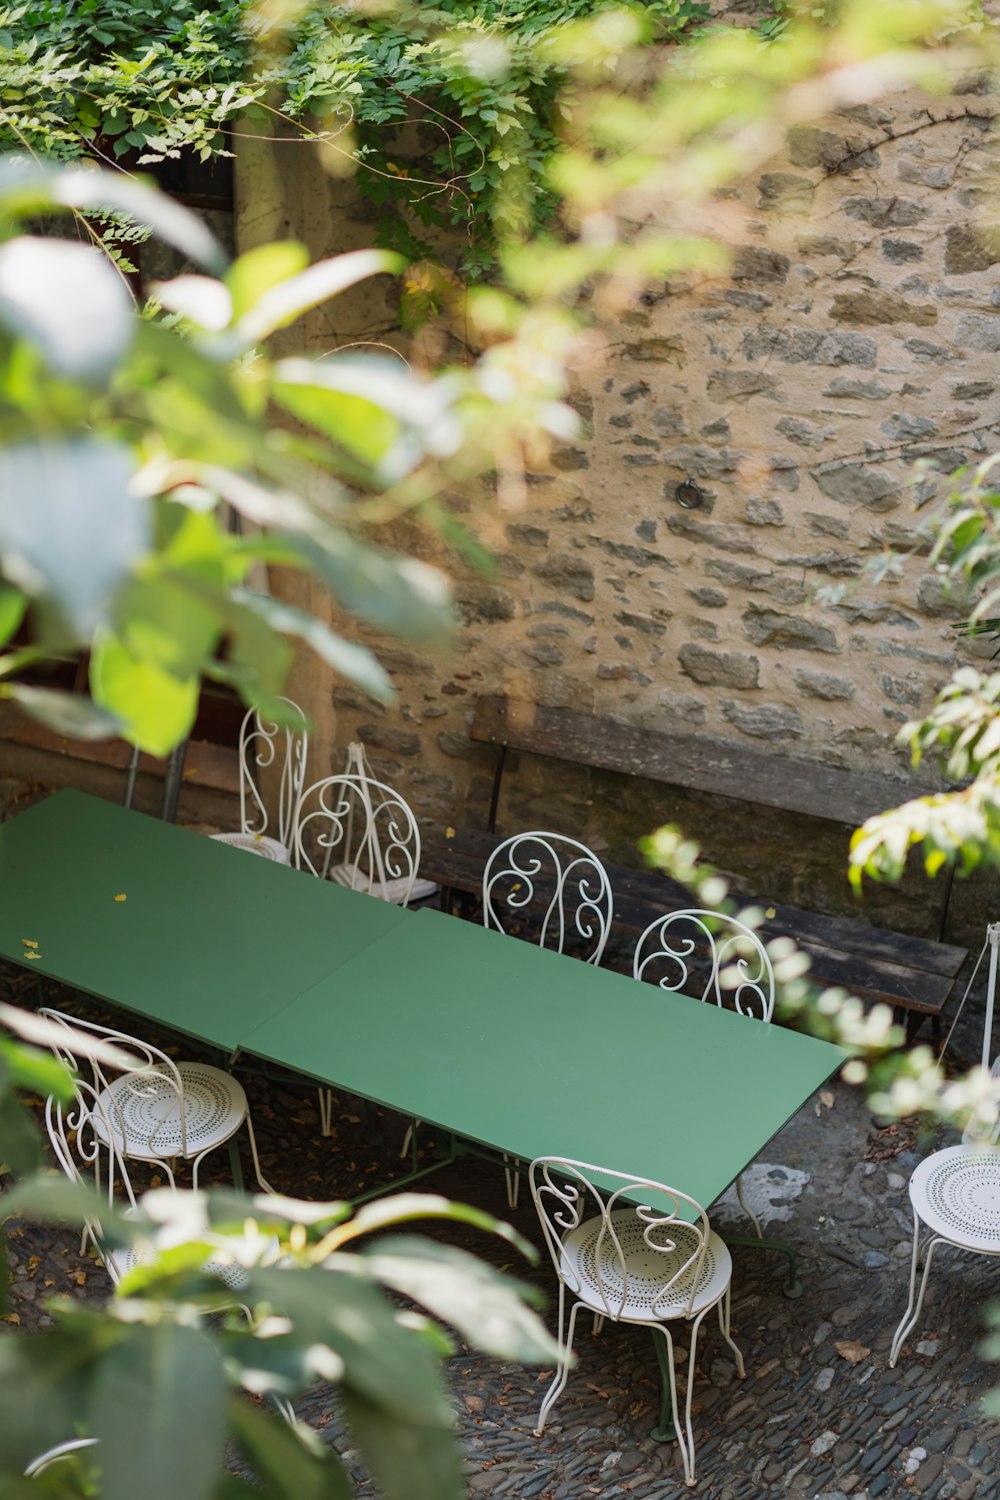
(565, 1354)
(749, 1212)
(724, 1330)
(686, 1442)
(513, 1179)
(668, 1428)
(261, 1179)
(914, 1304)
(325, 1111)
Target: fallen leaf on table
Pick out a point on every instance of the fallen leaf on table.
(827, 1098)
(29, 942)
(122, 897)
(32, 955)
(853, 1350)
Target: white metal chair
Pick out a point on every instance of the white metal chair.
(563, 876)
(362, 834)
(156, 1111)
(260, 740)
(712, 957)
(94, 1138)
(554, 888)
(633, 1251)
(955, 1193)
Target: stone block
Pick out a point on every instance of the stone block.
(900, 252)
(766, 627)
(868, 308)
(718, 668)
(936, 599)
(756, 580)
(973, 390)
(812, 346)
(805, 434)
(642, 623)
(740, 385)
(568, 574)
(857, 390)
(755, 263)
(976, 331)
(766, 721)
(826, 244)
(808, 146)
(395, 741)
(821, 525)
(709, 598)
(902, 426)
(885, 213)
(970, 248)
(856, 484)
(763, 511)
(483, 603)
(926, 353)
(823, 685)
(785, 192)
(659, 351)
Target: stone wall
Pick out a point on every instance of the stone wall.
(858, 332)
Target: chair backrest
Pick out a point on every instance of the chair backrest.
(608, 1222)
(135, 1101)
(261, 740)
(551, 884)
(361, 833)
(709, 956)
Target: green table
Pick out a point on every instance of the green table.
(534, 1054)
(209, 939)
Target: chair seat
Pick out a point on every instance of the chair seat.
(396, 891)
(956, 1193)
(255, 843)
(647, 1270)
(141, 1110)
(230, 1273)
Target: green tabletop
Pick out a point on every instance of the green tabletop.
(209, 939)
(536, 1054)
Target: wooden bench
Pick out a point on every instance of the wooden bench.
(914, 974)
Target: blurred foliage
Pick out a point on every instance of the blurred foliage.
(960, 826)
(141, 82)
(158, 1375)
(128, 431)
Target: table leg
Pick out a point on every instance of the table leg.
(664, 1431)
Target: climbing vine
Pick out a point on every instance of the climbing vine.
(447, 111)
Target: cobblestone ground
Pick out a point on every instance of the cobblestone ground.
(820, 1413)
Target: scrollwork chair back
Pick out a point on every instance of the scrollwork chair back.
(553, 885)
(709, 956)
(261, 740)
(361, 833)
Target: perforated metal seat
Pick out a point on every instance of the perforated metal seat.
(635, 1278)
(144, 1112)
(633, 1251)
(955, 1193)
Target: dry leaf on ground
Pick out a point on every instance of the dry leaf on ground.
(852, 1350)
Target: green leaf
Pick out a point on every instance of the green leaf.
(156, 708)
(390, 1365)
(290, 1462)
(66, 713)
(262, 268)
(157, 1408)
(487, 1308)
(12, 607)
(41, 1387)
(407, 1460)
(70, 302)
(20, 1145)
(202, 299)
(281, 304)
(352, 661)
(41, 1072)
(167, 624)
(28, 185)
(70, 531)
